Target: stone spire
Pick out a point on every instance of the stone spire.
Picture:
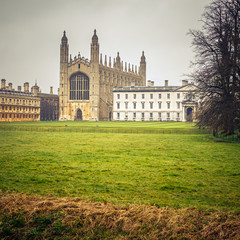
(95, 38)
(105, 62)
(95, 48)
(64, 49)
(64, 39)
(110, 63)
(118, 61)
(143, 59)
(142, 70)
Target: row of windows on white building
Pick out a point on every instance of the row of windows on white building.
(150, 105)
(149, 115)
(151, 96)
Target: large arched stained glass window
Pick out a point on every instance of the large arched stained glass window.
(79, 87)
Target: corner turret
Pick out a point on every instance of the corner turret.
(95, 48)
(64, 48)
(64, 39)
(95, 38)
(95, 78)
(143, 59)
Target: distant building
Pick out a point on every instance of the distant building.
(18, 105)
(85, 87)
(49, 104)
(49, 107)
(156, 103)
(22, 106)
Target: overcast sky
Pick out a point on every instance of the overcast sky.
(31, 31)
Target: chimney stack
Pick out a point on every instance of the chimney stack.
(166, 83)
(10, 86)
(26, 87)
(150, 83)
(51, 90)
(184, 82)
(35, 89)
(19, 88)
(3, 84)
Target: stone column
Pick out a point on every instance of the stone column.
(183, 114)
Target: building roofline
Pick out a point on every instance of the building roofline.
(151, 88)
(13, 92)
(47, 95)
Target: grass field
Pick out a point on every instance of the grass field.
(181, 169)
(104, 124)
(114, 127)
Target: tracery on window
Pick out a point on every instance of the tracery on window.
(79, 87)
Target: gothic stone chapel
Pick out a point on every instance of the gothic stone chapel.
(85, 91)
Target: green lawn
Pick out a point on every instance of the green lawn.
(177, 170)
(103, 124)
(113, 127)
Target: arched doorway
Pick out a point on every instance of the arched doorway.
(79, 114)
(189, 114)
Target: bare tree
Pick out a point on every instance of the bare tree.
(217, 66)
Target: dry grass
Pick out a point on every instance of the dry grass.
(73, 218)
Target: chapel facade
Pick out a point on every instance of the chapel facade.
(85, 86)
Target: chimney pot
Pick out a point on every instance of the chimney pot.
(3, 84)
(150, 83)
(166, 83)
(26, 87)
(184, 82)
(35, 90)
(10, 86)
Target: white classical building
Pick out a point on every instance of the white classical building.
(155, 103)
